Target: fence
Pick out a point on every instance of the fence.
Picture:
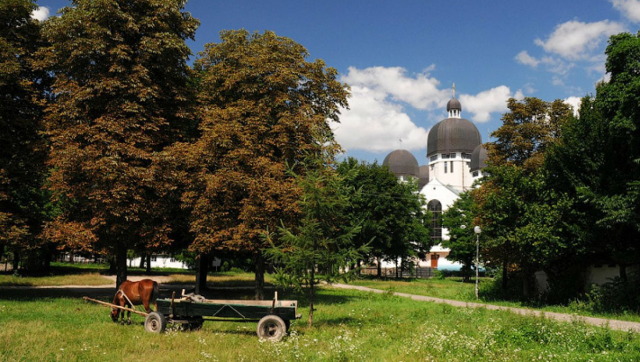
(422, 273)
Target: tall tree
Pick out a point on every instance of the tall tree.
(22, 153)
(460, 220)
(392, 214)
(598, 161)
(264, 109)
(120, 98)
(323, 241)
(519, 214)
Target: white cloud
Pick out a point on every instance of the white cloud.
(486, 102)
(628, 8)
(575, 40)
(524, 58)
(40, 14)
(377, 119)
(575, 103)
(420, 92)
(375, 124)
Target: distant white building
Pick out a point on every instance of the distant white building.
(455, 157)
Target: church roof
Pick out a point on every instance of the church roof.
(454, 104)
(453, 135)
(423, 176)
(401, 163)
(478, 158)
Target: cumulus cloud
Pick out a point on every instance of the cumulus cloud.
(420, 92)
(377, 119)
(40, 14)
(483, 104)
(575, 40)
(524, 58)
(630, 9)
(373, 123)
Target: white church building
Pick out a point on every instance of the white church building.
(455, 159)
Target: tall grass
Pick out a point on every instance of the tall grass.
(348, 326)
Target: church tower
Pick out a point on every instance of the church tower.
(449, 146)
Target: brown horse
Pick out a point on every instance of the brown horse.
(131, 293)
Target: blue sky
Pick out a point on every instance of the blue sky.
(402, 57)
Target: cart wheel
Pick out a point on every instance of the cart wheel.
(271, 328)
(155, 323)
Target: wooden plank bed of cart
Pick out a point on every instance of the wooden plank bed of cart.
(191, 311)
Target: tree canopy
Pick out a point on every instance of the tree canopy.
(120, 98)
(22, 91)
(264, 109)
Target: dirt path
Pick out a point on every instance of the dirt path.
(600, 322)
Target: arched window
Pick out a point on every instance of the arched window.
(435, 207)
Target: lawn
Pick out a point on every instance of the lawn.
(349, 326)
(453, 288)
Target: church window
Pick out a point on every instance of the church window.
(466, 156)
(451, 166)
(434, 158)
(445, 167)
(475, 173)
(435, 207)
(445, 155)
(453, 155)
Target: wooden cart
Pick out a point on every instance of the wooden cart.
(190, 311)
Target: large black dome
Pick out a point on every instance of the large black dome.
(453, 135)
(478, 158)
(401, 163)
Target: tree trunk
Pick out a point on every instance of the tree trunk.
(121, 264)
(396, 268)
(379, 267)
(202, 269)
(311, 295)
(623, 272)
(504, 275)
(148, 257)
(259, 264)
(16, 262)
(142, 260)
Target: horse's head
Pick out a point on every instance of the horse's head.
(114, 314)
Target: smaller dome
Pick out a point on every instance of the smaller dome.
(454, 104)
(478, 158)
(423, 176)
(401, 163)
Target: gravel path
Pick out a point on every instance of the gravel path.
(600, 322)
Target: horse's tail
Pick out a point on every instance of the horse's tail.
(154, 294)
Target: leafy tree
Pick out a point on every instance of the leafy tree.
(121, 97)
(460, 219)
(597, 163)
(22, 172)
(264, 109)
(323, 241)
(520, 215)
(392, 214)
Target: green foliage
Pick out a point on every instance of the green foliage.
(23, 151)
(321, 246)
(459, 219)
(120, 97)
(392, 214)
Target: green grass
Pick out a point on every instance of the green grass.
(55, 280)
(349, 326)
(453, 288)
